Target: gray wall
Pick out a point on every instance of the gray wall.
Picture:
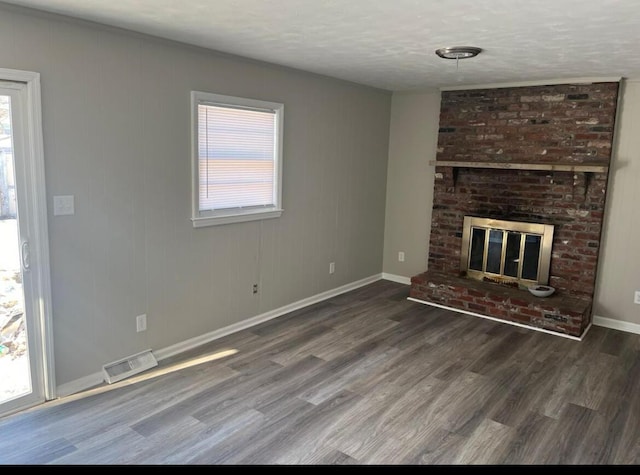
(117, 137)
(412, 143)
(406, 219)
(619, 263)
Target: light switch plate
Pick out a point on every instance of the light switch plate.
(63, 205)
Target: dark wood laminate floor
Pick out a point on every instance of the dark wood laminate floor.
(367, 377)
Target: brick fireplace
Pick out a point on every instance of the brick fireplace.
(536, 154)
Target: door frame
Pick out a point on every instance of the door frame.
(32, 164)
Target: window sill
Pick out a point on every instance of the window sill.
(236, 217)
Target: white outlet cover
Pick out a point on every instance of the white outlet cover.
(141, 323)
(63, 205)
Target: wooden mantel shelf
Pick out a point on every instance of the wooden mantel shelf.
(558, 167)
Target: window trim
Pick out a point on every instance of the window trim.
(236, 215)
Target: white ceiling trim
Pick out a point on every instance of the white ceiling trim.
(549, 82)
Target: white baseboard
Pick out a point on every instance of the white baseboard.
(571, 337)
(616, 324)
(400, 279)
(81, 384)
(253, 321)
(97, 378)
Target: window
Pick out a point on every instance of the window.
(236, 159)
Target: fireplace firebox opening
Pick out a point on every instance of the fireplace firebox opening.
(506, 252)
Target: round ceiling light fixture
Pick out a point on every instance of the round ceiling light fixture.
(458, 52)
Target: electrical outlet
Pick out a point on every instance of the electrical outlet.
(141, 323)
(332, 267)
(636, 297)
(255, 288)
(401, 256)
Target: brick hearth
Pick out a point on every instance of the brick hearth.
(556, 124)
(560, 312)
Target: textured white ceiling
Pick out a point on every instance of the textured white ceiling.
(390, 44)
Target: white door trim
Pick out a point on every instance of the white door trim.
(37, 211)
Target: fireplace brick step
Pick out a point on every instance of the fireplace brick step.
(560, 312)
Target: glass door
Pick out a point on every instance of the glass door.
(22, 352)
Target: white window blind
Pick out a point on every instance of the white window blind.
(236, 150)
(237, 158)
